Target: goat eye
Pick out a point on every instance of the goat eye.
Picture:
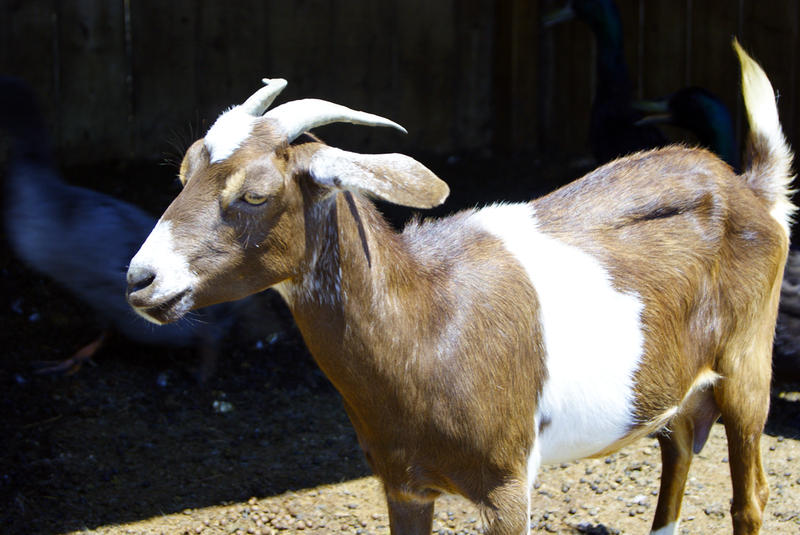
(254, 198)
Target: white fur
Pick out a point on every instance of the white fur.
(534, 457)
(330, 166)
(762, 115)
(534, 462)
(592, 333)
(228, 133)
(669, 529)
(174, 275)
(322, 285)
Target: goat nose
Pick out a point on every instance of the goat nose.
(139, 278)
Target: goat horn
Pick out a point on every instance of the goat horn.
(299, 116)
(261, 99)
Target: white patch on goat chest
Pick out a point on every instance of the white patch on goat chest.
(228, 133)
(592, 335)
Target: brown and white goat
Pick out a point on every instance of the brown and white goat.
(469, 350)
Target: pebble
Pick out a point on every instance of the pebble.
(162, 380)
(222, 407)
(715, 510)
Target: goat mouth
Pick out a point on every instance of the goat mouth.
(169, 310)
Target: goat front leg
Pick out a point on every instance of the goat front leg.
(676, 457)
(508, 509)
(409, 517)
(686, 435)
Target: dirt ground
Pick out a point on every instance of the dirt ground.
(134, 445)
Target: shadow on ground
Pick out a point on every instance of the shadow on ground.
(136, 436)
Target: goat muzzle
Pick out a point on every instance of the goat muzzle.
(156, 307)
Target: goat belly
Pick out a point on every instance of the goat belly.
(593, 338)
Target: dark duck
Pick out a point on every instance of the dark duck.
(700, 112)
(80, 238)
(613, 128)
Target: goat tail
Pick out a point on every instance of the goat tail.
(768, 170)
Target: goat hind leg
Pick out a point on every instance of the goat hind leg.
(750, 488)
(743, 398)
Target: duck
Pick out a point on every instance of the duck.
(83, 239)
(700, 112)
(613, 127)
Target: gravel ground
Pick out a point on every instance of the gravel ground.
(617, 494)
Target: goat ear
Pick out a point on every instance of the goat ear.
(395, 178)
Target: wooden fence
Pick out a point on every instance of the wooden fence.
(132, 79)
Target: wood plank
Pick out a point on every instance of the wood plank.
(565, 129)
(516, 87)
(93, 90)
(346, 53)
(428, 45)
(473, 92)
(713, 64)
(664, 47)
(166, 75)
(630, 12)
(770, 34)
(232, 49)
(29, 50)
(460, 75)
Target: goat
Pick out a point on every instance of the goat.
(468, 350)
